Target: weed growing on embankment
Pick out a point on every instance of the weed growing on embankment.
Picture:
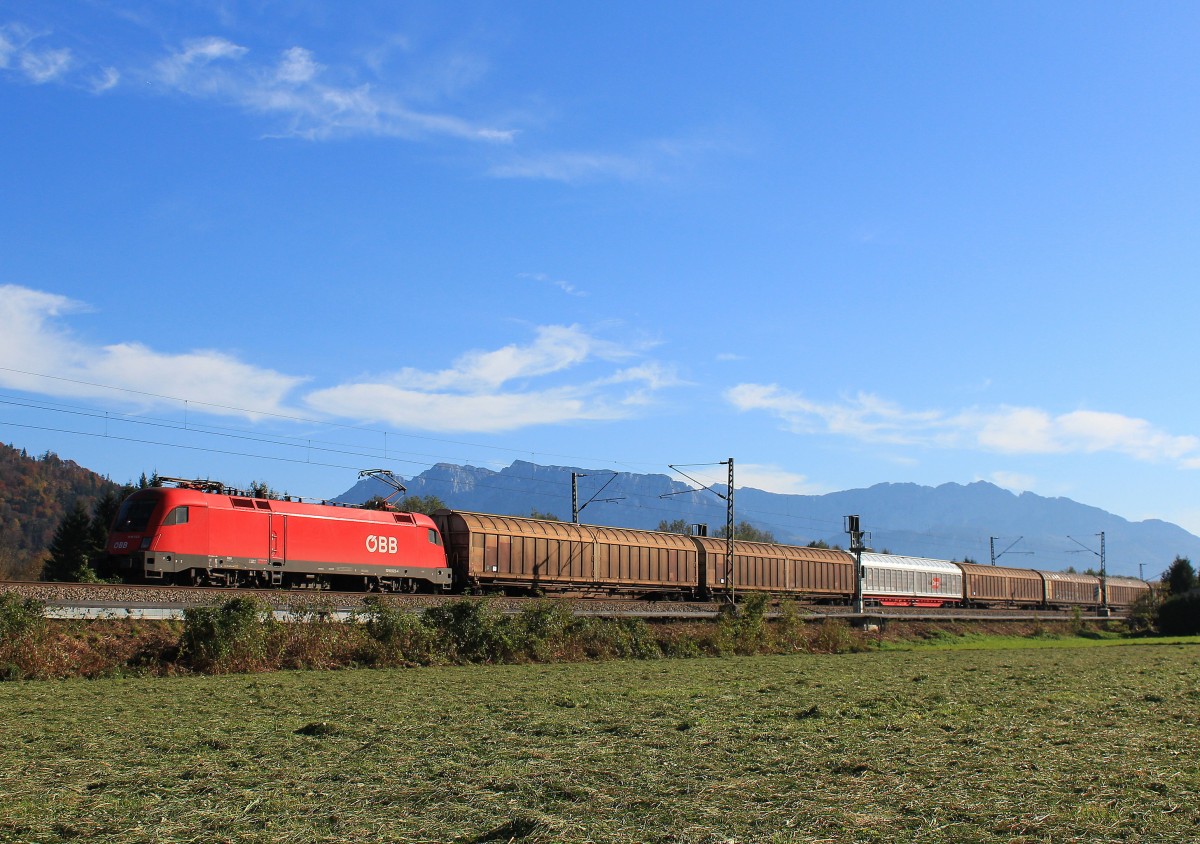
(241, 635)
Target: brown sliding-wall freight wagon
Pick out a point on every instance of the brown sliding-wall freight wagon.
(1064, 588)
(814, 573)
(1000, 586)
(1123, 591)
(522, 554)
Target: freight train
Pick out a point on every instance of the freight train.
(202, 534)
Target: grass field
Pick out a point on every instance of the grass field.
(991, 745)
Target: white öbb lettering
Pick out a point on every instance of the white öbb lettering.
(381, 544)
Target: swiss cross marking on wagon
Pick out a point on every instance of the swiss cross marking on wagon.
(937, 582)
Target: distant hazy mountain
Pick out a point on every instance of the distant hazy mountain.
(951, 521)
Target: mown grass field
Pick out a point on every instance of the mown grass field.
(992, 745)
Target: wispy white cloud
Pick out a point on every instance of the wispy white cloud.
(292, 86)
(38, 65)
(573, 167)
(1009, 430)
(501, 389)
(564, 286)
(475, 412)
(297, 66)
(1014, 481)
(1023, 430)
(7, 45)
(187, 66)
(654, 375)
(771, 478)
(105, 79)
(555, 348)
(45, 65)
(865, 417)
(367, 94)
(35, 341)
(494, 390)
(650, 160)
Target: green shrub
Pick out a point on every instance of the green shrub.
(544, 628)
(313, 639)
(473, 631)
(742, 627)
(680, 647)
(230, 637)
(788, 626)
(20, 617)
(833, 637)
(1179, 615)
(400, 636)
(619, 638)
(22, 638)
(1143, 613)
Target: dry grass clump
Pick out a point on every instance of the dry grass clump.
(241, 635)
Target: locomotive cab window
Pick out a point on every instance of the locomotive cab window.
(135, 514)
(434, 537)
(178, 516)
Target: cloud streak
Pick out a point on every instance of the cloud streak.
(313, 100)
(292, 86)
(1004, 429)
(491, 391)
(38, 66)
(564, 286)
(574, 167)
(35, 342)
(303, 97)
(564, 374)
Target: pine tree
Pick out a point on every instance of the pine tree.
(104, 513)
(1180, 577)
(71, 547)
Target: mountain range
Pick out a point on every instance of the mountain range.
(950, 522)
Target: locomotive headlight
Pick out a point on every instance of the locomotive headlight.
(146, 542)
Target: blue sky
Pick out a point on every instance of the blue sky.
(842, 243)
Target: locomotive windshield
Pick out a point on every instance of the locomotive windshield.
(135, 514)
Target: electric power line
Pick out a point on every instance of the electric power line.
(326, 447)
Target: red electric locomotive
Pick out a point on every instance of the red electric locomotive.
(198, 533)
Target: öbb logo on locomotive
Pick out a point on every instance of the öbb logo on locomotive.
(381, 544)
(208, 535)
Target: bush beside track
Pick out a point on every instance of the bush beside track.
(240, 635)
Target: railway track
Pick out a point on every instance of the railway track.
(116, 600)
